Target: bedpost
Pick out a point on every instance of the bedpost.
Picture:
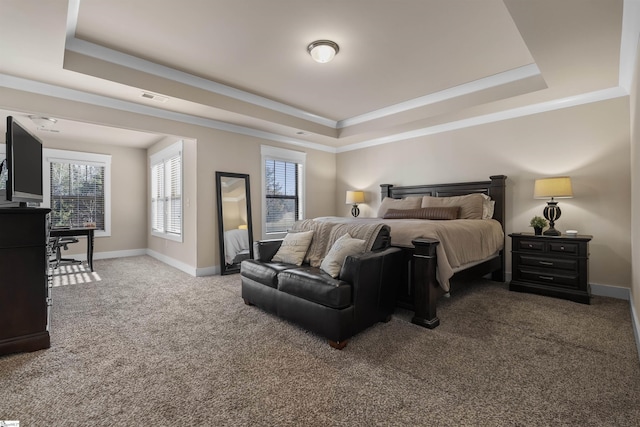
(426, 287)
(385, 191)
(497, 192)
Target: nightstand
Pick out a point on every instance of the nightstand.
(556, 266)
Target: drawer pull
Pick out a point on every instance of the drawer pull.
(545, 277)
(545, 263)
(530, 245)
(562, 248)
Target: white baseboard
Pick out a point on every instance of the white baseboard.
(173, 262)
(194, 271)
(208, 271)
(610, 291)
(636, 327)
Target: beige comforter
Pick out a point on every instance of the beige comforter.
(463, 242)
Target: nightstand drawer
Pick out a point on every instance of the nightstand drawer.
(568, 280)
(531, 245)
(566, 248)
(546, 263)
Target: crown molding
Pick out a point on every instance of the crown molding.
(499, 79)
(556, 104)
(17, 83)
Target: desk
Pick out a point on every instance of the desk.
(65, 232)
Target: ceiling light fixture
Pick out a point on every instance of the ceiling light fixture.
(323, 50)
(43, 122)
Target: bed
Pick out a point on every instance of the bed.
(423, 279)
(236, 245)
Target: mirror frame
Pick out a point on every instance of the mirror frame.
(224, 268)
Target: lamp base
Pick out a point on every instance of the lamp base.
(551, 232)
(552, 213)
(355, 211)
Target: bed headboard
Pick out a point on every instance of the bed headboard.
(495, 188)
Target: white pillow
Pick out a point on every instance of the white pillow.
(343, 247)
(294, 247)
(488, 207)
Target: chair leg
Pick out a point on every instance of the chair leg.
(338, 345)
(58, 256)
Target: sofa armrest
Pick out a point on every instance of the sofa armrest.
(264, 250)
(351, 269)
(373, 276)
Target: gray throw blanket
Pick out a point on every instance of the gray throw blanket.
(326, 233)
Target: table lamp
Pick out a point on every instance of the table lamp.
(353, 198)
(556, 187)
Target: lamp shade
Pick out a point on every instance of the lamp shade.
(355, 197)
(558, 187)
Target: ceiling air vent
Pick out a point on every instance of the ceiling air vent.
(154, 97)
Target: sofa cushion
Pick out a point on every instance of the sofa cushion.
(313, 284)
(263, 272)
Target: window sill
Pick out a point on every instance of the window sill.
(167, 236)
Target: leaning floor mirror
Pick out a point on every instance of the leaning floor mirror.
(235, 233)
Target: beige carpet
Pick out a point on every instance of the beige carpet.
(139, 343)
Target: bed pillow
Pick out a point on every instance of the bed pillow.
(440, 213)
(412, 202)
(294, 247)
(470, 204)
(343, 247)
(488, 206)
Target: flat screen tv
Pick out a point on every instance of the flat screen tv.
(23, 166)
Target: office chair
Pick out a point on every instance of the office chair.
(56, 244)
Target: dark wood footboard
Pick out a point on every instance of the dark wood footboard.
(420, 291)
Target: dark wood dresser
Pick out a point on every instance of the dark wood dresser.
(24, 287)
(556, 266)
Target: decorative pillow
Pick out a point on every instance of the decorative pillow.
(294, 247)
(412, 202)
(488, 207)
(343, 247)
(470, 204)
(443, 212)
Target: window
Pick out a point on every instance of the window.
(77, 189)
(4, 173)
(166, 193)
(283, 178)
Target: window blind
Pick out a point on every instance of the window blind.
(174, 196)
(166, 193)
(282, 194)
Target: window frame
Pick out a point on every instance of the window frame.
(164, 156)
(282, 154)
(51, 155)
